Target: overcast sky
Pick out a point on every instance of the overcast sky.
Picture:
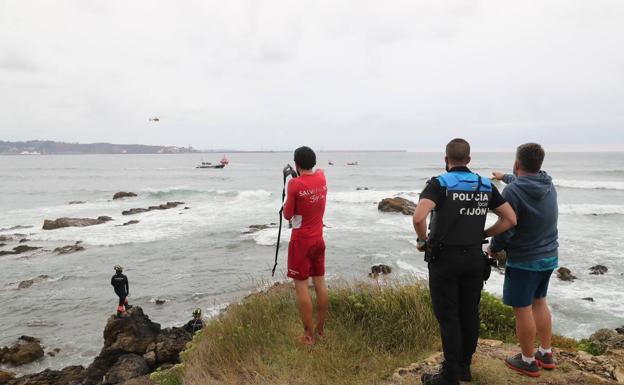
(347, 74)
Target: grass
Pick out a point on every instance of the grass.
(372, 330)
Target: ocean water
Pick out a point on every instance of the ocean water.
(202, 257)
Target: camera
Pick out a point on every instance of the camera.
(289, 171)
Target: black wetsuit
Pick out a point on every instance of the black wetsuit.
(194, 325)
(122, 289)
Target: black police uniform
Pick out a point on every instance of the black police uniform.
(194, 325)
(456, 271)
(120, 284)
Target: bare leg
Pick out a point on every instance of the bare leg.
(304, 303)
(322, 303)
(543, 322)
(525, 329)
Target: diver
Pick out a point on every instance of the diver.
(196, 324)
(122, 289)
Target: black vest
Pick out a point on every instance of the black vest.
(459, 220)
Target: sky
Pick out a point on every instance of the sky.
(334, 75)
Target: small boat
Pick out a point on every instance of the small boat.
(224, 161)
(352, 163)
(204, 165)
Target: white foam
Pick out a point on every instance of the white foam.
(590, 209)
(590, 184)
(268, 237)
(368, 196)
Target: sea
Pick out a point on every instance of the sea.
(207, 257)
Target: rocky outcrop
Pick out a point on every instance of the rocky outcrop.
(71, 375)
(5, 377)
(361, 189)
(27, 350)
(132, 222)
(132, 343)
(165, 206)
(59, 223)
(69, 248)
(19, 250)
(397, 205)
(564, 274)
(380, 269)
(25, 284)
(255, 228)
(598, 270)
(123, 194)
(77, 202)
(607, 339)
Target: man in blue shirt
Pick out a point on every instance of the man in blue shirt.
(532, 255)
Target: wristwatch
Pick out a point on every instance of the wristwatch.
(421, 243)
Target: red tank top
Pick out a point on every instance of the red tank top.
(305, 205)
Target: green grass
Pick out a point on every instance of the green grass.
(371, 330)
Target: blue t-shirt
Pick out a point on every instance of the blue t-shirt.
(544, 264)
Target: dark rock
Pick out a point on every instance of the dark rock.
(77, 202)
(29, 282)
(598, 270)
(362, 189)
(69, 249)
(620, 330)
(2, 244)
(23, 240)
(169, 343)
(54, 352)
(29, 339)
(256, 228)
(608, 338)
(123, 194)
(565, 274)
(132, 222)
(5, 377)
(160, 301)
(127, 367)
(19, 250)
(71, 375)
(21, 353)
(186, 208)
(6, 238)
(165, 206)
(398, 205)
(501, 259)
(381, 269)
(49, 224)
(588, 299)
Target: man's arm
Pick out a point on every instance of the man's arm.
(424, 207)
(506, 220)
(291, 200)
(507, 178)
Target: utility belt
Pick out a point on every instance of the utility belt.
(434, 250)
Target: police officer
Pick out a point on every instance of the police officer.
(119, 281)
(196, 324)
(460, 200)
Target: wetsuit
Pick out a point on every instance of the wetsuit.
(122, 289)
(194, 325)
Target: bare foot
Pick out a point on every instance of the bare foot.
(306, 340)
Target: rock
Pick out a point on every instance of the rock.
(54, 352)
(19, 250)
(598, 270)
(127, 367)
(186, 208)
(2, 244)
(5, 238)
(491, 343)
(21, 353)
(71, 375)
(381, 269)
(565, 274)
(169, 343)
(23, 240)
(6, 377)
(608, 339)
(29, 339)
(620, 330)
(123, 194)
(589, 299)
(59, 223)
(618, 374)
(69, 249)
(256, 228)
(145, 380)
(132, 222)
(77, 202)
(165, 206)
(399, 205)
(29, 282)
(501, 259)
(362, 189)
(159, 301)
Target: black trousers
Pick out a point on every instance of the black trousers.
(122, 297)
(455, 283)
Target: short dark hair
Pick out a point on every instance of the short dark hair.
(458, 151)
(305, 158)
(530, 157)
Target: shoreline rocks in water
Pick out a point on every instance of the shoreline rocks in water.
(29, 282)
(255, 228)
(19, 250)
(397, 205)
(165, 206)
(59, 223)
(77, 202)
(123, 194)
(26, 350)
(69, 248)
(565, 274)
(380, 269)
(598, 270)
(132, 222)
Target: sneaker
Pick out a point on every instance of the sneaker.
(465, 375)
(545, 360)
(436, 379)
(519, 365)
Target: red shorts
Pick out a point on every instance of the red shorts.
(306, 258)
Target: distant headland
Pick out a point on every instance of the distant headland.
(48, 147)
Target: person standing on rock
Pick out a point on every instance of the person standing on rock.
(196, 324)
(305, 208)
(532, 255)
(122, 289)
(460, 201)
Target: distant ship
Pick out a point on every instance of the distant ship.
(352, 163)
(210, 165)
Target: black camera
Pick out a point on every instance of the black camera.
(289, 171)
